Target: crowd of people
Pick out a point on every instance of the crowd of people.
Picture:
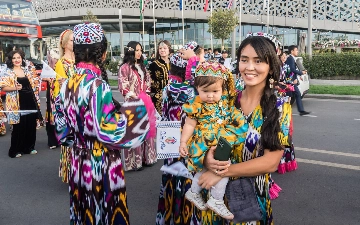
(99, 138)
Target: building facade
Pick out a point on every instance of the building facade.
(335, 22)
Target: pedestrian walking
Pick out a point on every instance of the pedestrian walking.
(18, 83)
(97, 127)
(64, 69)
(293, 68)
(159, 70)
(134, 80)
(3, 119)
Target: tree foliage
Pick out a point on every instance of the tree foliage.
(90, 18)
(222, 23)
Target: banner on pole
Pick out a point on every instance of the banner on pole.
(230, 4)
(180, 4)
(47, 72)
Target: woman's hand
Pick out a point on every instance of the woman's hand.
(215, 166)
(18, 86)
(186, 54)
(208, 180)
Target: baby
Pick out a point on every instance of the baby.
(210, 115)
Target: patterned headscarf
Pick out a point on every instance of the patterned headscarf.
(271, 37)
(176, 60)
(213, 69)
(191, 45)
(88, 33)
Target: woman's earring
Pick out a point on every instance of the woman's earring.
(271, 81)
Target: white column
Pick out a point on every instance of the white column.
(182, 21)
(240, 11)
(155, 47)
(211, 37)
(233, 39)
(121, 33)
(309, 36)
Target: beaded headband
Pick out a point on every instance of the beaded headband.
(176, 60)
(88, 33)
(213, 69)
(271, 37)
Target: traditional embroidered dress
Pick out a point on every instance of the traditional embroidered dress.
(37, 84)
(23, 123)
(131, 83)
(249, 149)
(175, 94)
(159, 79)
(64, 68)
(214, 120)
(288, 162)
(86, 116)
(2, 119)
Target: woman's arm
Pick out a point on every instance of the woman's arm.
(254, 167)
(267, 163)
(8, 89)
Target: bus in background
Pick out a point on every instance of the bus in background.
(20, 29)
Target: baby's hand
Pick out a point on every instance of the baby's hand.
(183, 150)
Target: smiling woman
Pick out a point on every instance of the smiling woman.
(18, 83)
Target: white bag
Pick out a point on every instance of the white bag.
(168, 139)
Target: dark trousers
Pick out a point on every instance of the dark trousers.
(50, 130)
(298, 99)
(23, 136)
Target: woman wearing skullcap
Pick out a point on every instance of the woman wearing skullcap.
(96, 126)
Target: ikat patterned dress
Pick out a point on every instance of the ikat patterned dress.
(132, 83)
(249, 149)
(64, 68)
(173, 207)
(87, 118)
(288, 162)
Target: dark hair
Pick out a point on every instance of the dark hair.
(158, 46)
(199, 50)
(292, 48)
(93, 53)
(206, 81)
(177, 71)
(266, 52)
(11, 54)
(130, 56)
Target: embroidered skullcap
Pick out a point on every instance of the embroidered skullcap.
(88, 33)
(271, 37)
(191, 45)
(176, 60)
(213, 69)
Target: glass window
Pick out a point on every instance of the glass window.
(18, 12)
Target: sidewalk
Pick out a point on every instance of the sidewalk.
(335, 82)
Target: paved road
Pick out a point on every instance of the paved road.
(324, 190)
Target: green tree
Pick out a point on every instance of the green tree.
(90, 18)
(222, 23)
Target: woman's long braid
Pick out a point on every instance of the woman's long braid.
(271, 123)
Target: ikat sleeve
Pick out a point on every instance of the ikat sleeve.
(125, 129)
(148, 82)
(62, 129)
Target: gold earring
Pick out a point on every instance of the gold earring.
(271, 82)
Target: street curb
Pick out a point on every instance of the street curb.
(319, 96)
(338, 97)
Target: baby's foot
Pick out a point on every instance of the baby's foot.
(196, 199)
(219, 207)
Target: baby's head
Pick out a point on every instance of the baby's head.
(210, 81)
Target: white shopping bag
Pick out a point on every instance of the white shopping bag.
(168, 139)
(47, 72)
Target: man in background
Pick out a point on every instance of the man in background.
(291, 61)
